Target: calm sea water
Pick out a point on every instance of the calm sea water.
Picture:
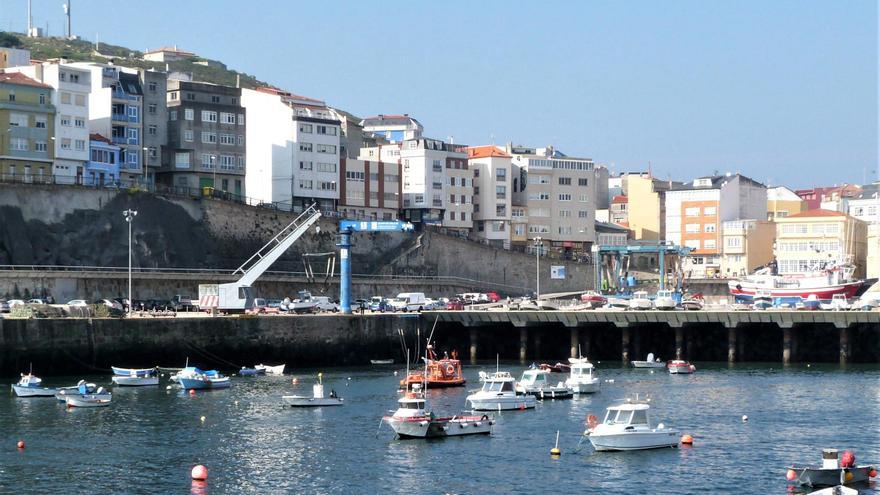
(149, 438)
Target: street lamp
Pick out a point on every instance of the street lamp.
(129, 217)
(537, 268)
(144, 164)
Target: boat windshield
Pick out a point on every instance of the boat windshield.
(639, 417)
(506, 386)
(578, 371)
(618, 417)
(413, 405)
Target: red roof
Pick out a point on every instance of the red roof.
(817, 213)
(21, 80)
(486, 152)
(98, 137)
(620, 198)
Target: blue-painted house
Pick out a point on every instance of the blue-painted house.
(102, 169)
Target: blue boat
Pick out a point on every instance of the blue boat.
(194, 378)
(252, 371)
(134, 372)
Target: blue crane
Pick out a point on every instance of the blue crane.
(661, 248)
(346, 229)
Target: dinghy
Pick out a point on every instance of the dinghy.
(271, 370)
(316, 400)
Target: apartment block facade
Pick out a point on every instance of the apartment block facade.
(746, 245)
(696, 210)
(155, 120)
(493, 194)
(782, 202)
(206, 137)
(812, 239)
(369, 189)
(28, 118)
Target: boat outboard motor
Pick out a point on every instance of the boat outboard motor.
(829, 459)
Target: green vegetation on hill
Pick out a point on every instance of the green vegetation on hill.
(84, 51)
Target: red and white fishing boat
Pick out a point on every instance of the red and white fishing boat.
(823, 281)
(593, 298)
(679, 367)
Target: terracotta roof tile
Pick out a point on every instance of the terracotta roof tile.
(486, 152)
(620, 198)
(21, 80)
(817, 213)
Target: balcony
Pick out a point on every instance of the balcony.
(119, 117)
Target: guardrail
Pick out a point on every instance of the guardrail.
(122, 270)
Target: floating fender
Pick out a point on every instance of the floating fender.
(477, 424)
(485, 417)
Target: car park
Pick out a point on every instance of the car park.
(323, 303)
(4, 306)
(409, 301)
(37, 301)
(77, 303)
(16, 302)
(455, 305)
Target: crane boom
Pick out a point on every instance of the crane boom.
(251, 269)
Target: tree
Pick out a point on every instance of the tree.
(9, 41)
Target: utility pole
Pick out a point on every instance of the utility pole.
(129, 218)
(537, 269)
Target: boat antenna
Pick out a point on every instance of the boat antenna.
(497, 364)
(581, 356)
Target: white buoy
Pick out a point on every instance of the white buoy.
(202, 419)
(395, 373)
(168, 387)
(236, 403)
(745, 418)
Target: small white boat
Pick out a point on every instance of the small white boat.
(133, 377)
(628, 427)
(316, 400)
(762, 299)
(381, 361)
(582, 378)
(62, 393)
(835, 490)
(664, 300)
(617, 303)
(838, 302)
(535, 382)
(640, 301)
(412, 420)
(834, 471)
(693, 303)
(499, 394)
(101, 398)
(679, 367)
(271, 370)
(650, 362)
(29, 386)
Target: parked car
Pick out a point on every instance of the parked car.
(493, 296)
(455, 305)
(77, 303)
(4, 306)
(380, 304)
(409, 301)
(182, 303)
(109, 303)
(122, 301)
(323, 303)
(360, 305)
(16, 302)
(37, 301)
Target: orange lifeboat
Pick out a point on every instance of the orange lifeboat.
(440, 373)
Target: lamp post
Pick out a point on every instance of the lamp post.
(145, 150)
(129, 217)
(537, 268)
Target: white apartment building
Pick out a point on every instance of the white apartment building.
(393, 128)
(493, 194)
(72, 86)
(292, 149)
(425, 185)
(560, 194)
(866, 206)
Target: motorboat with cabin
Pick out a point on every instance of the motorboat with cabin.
(316, 400)
(665, 300)
(438, 373)
(693, 302)
(649, 362)
(640, 301)
(413, 420)
(536, 382)
(582, 377)
(31, 386)
(837, 469)
(499, 394)
(680, 367)
(135, 377)
(627, 426)
(838, 302)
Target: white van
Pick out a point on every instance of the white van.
(409, 301)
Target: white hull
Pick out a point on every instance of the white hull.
(655, 439)
(648, 364)
(135, 381)
(271, 370)
(102, 400)
(509, 403)
(33, 391)
(681, 370)
(590, 387)
(427, 428)
(664, 303)
(302, 401)
(640, 304)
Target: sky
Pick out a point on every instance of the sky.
(785, 92)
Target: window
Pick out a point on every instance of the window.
(437, 166)
(539, 179)
(327, 130)
(565, 197)
(709, 228)
(131, 157)
(227, 162)
(709, 211)
(65, 120)
(132, 135)
(500, 173)
(583, 214)
(172, 95)
(437, 185)
(188, 135)
(354, 176)
(565, 181)
(326, 186)
(692, 212)
(564, 230)
(79, 122)
(326, 148)
(476, 172)
(65, 143)
(240, 140)
(208, 161)
(153, 152)
(133, 112)
(151, 86)
(693, 244)
(709, 244)
(241, 119)
(501, 210)
(40, 122)
(215, 99)
(583, 182)
(65, 97)
(227, 118)
(209, 137)
(305, 128)
(420, 199)
(733, 242)
(303, 165)
(41, 146)
(452, 181)
(794, 228)
(305, 146)
(151, 108)
(327, 167)
(307, 184)
(227, 139)
(692, 228)
(564, 213)
(191, 96)
(42, 99)
(539, 196)
(539, 212)
(209, 116)
(21, 144)
(241, 162)
(497, 226)
(451, 215)
(172, 115)
(539, 229)
(583, 198)
(80, 144)
(189, 114)
(80, 100)
(152, 130)
(500, 192)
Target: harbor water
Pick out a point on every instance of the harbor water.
(148, 439)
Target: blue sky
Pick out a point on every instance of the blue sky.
(783, 91)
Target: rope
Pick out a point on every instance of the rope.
(80, 362)
(211, 356)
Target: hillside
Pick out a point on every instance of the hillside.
(84, 51)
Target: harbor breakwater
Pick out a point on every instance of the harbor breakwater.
(64, 346)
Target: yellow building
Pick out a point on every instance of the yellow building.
(746, 245)
(808, 240)
(782, 202)
(872, 261)
(646, 204)
(26, 129)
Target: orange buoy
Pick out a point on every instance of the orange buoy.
(687, 439)
(20, 444)
(199, 472)
(192, 391)
(791, 475)
(872, 473)
(294, 381)
(848, 476)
